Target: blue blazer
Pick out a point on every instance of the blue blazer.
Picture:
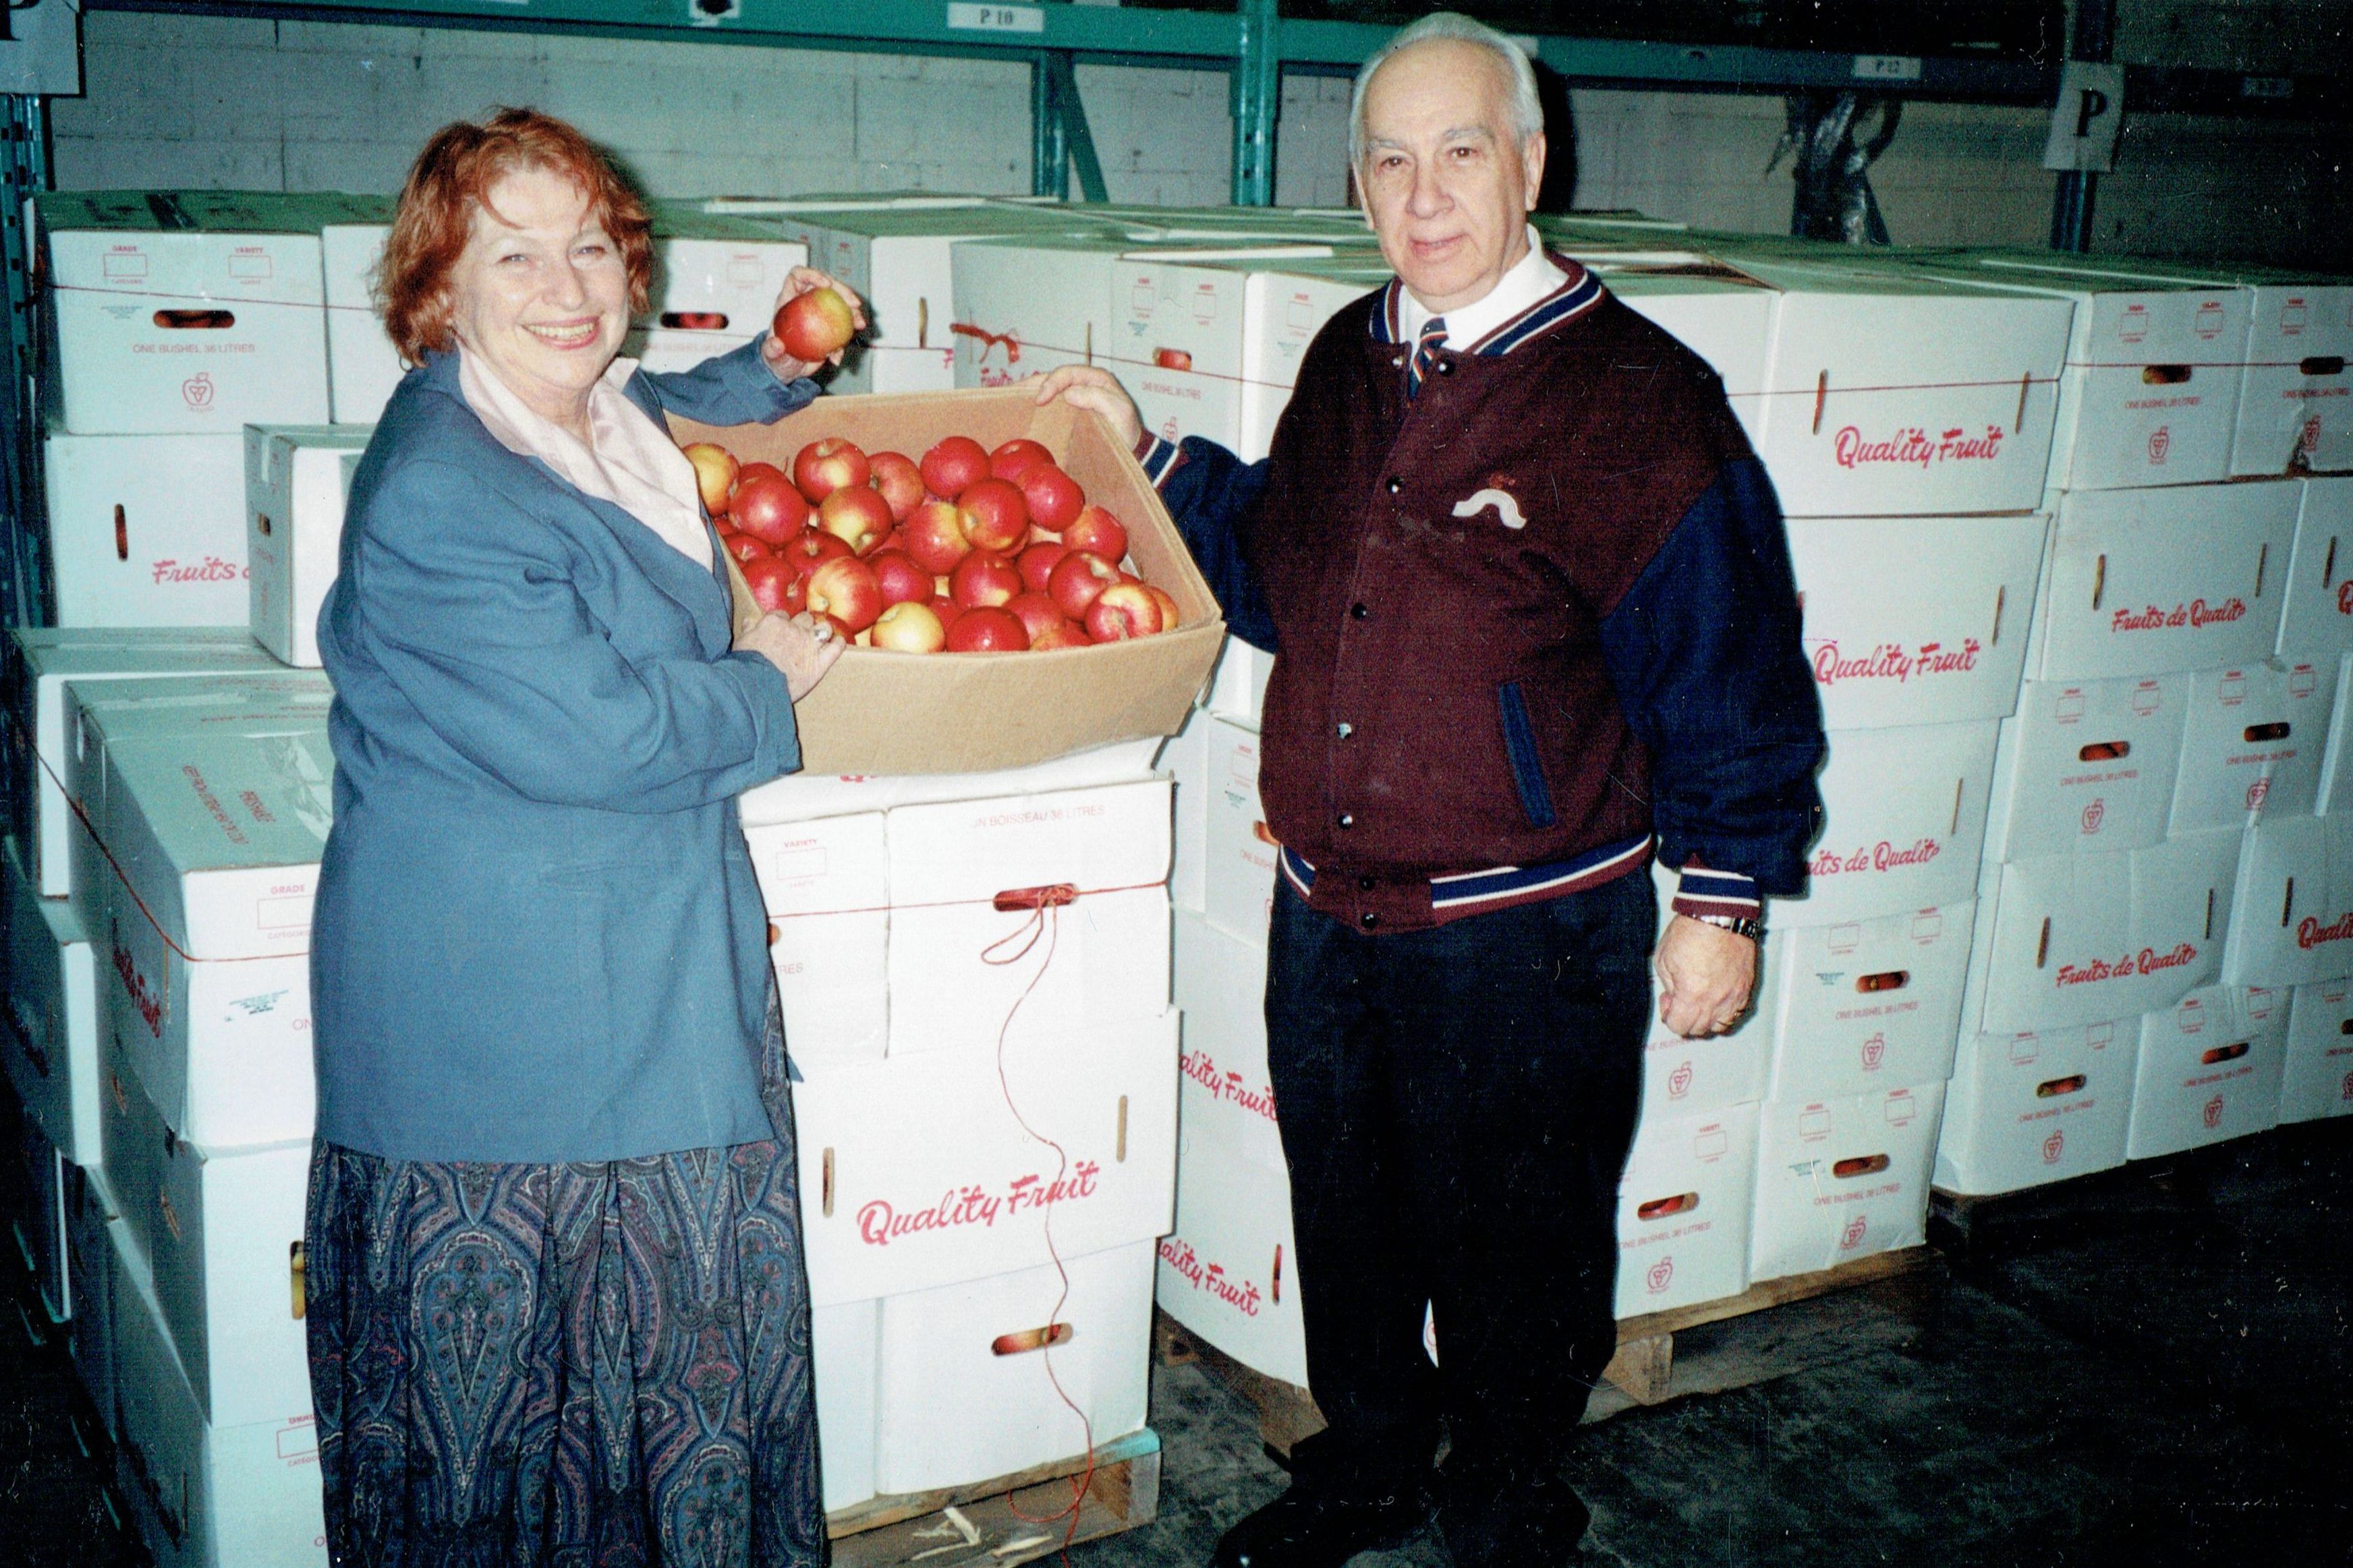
(537, 936)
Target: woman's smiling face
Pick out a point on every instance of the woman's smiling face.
(541, 293)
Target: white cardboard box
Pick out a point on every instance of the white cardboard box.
(827, 883)
(39, 662)
(1721, 316)
(1842, 1179)
(186, 333)
(1237, 686)
(2336, 787)
(2318, 1079)
(2210, 1069)
(1916, 620)
(147, 530)
(207, 1494)
(2293, 397)
(1905, 816)
(1890, 397)
(94, 1229)
(1868, 1003)
(1227, 1091)
(1229, 1271)
(799, 797)
(363, 367)
(2028, 1108)
(917, 1172)
(2087, 767)
(1683, 1209)
(219, 1229)
(713, 291)
(1682, 1078)
(2295, 921)
(40, 1231)
(974, 1375)
(2316, 624)
(2152, 581)
(216, 839)
(296, 479)
(1024, 307)
(844, 1353)
(1238, 881)
(51, 1048)
(2076, 939)
(1185, 758)
(2253, 744)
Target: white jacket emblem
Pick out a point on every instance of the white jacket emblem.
(1501, 501)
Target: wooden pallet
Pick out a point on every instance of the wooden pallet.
(993, 1522)
(1766, 1331)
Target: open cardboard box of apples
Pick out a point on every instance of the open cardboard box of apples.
(885, 712)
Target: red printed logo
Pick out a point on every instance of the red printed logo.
(2214, 1113)
(2345, 597)
(1913, 447)
(1875, 1051)
(2208, 324)
(2161, 442)
(2134, 326)
(2257, 792)
(2310, 441)
(1662, 1274)
(2347, 1095)
(197, 391)
(2094, 815)
(1679, 1081)
(2054, 1146)
(2312, 933)
(1853, 1236)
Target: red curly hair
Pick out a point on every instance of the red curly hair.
(454, 176)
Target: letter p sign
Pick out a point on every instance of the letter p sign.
(2085, 121)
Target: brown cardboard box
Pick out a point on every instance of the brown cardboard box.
(883, 712)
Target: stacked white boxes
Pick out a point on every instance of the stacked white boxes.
(297, 477)
(974, 976)
(171, 321)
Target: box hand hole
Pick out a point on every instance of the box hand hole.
(1660, 1208)
(1885, 980)
(695, 321)
(1860, 1165)
(194, 321)
(2054, 1087)
(2229, 1053)
(2322, 364)
(2164, 374)
(2256, 733)
(2105, 751)
(1028, 1340)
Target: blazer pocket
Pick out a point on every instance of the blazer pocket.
(1520, 747)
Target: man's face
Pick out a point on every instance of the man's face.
(1447, 189)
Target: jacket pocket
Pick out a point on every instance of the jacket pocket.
(1520, 747)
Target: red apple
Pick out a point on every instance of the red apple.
(829, 463)
(796, 595)
(767, 506)
(953, 465)
(840, 629)
(1054, 498)
(1170, 616)
(1121, 611)
(901, 581)
(995, 516)
(933, 534)
(743, 547)
(814, 325)
(1077, 578)
(909, 628)
(855, 515)
(714, 473)
(768, 578)
(1016, 457)
(1098, 531)
(948, 609)
(1037, 610)
(983, 579)
(1063, 633)
(900, 482)
(987, 629)
(1037, 565)
(844, 588)
(812, 548)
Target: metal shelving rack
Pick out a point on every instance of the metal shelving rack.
(1252, 42)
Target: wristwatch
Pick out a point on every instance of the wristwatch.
(1738, 925)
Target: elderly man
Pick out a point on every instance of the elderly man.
(1533, 617)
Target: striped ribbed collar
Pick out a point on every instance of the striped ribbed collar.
(1579, 292)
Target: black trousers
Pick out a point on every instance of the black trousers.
(1456, 1108)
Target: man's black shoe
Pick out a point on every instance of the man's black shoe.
(1492, 1523)
(1312, 1527)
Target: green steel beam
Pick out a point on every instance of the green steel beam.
(1257, 100)
(24, 169)
(1048, 148)
(1078, 140)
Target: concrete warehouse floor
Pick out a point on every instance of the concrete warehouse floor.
(2152, 1372)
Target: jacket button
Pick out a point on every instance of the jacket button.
(1346, 819)
(1344, 728)
(1396, 484)
(1358, 611)
(1364, 884)
(1446, 367)
(1368, 919)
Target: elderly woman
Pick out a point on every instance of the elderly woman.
(558, 1311)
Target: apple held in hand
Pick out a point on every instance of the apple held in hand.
(900, 482)
(995, 516)
(714, 474)
(815, 325)
(844, 588)
(909, 628)
(855, 515)
(954, 465)
(987, 629)
(767, 506)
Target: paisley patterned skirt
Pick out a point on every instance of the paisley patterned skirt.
(591, 1365)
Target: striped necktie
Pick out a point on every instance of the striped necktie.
(1425, 353)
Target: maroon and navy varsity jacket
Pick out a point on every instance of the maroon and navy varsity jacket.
(1530, 618)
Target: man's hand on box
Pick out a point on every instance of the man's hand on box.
(802, 646)
(1705, 976)
(1097, 391)
(800, 280)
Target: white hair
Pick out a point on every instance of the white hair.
(1527, 111)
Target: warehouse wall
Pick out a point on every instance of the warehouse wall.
(210, 101)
